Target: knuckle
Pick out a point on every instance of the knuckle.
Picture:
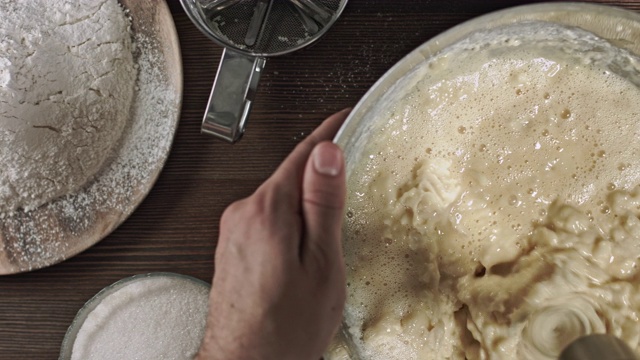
(261, 213)
(243, 214)
(231, 213)
(275, 198)
(308, 143)
(265, 204)
(250, 207)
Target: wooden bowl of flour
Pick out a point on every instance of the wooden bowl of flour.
(67, 225)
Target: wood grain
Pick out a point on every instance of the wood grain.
(176, 227)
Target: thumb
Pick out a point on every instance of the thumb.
(323, 199)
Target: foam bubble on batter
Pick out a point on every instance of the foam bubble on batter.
(509, 130)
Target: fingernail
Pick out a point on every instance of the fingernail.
(327, 159)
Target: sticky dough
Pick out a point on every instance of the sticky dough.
(495, 215)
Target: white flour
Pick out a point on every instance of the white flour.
(69, 224)
(66, 86)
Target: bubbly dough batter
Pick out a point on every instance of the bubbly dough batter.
(496, 214)
(67, 78)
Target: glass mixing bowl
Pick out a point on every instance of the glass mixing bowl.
(620, 27)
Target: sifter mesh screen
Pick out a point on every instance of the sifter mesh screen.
(283, 29)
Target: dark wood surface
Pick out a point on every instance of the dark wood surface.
(176, 227)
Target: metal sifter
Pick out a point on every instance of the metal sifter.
(251, 31)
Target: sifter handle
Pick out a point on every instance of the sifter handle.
(232, 95)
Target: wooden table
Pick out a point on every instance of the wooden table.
(176, 227)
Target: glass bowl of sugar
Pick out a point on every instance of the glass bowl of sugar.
(149, 316)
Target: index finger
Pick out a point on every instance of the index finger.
(289, 173)
(296, 161)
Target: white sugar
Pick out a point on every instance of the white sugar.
(151, 318)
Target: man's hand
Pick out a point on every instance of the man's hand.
(279, 286)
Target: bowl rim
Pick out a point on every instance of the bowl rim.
(350, 133)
